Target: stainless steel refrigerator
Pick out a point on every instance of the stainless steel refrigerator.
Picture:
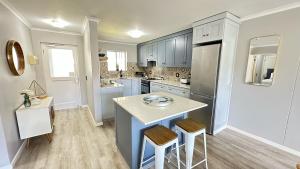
(204, 80)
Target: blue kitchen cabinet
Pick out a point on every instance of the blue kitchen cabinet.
(161, 54)
(170, 52)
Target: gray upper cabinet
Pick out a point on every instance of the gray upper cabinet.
(180, 51)
(154, 52)
(208, 32)
(149, 52)
(189, 49)
(183, 50)
(174, 50)
(170, 43)
(142, 62)
(161, 54)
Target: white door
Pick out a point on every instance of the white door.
(61, 75)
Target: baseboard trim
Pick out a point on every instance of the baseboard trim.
(64, 106)
(18, 154)
(219, 130)
(276, 145)
(97, 124)
(6, 167)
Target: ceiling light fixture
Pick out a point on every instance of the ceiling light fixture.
(58, 23)
(135, 33)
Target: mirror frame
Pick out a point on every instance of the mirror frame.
(9, 56)
(277, 54)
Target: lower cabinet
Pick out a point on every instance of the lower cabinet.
(127, 91)
(158, 87)
(107, 95)
(131, 86)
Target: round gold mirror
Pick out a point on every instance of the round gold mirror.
(15, 57)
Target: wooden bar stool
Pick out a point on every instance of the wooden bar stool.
(160, 138)
(191, 129)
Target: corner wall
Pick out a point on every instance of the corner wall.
(11, 28)
(92, 69)
(263, 111)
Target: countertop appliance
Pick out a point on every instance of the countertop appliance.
(204, 80)
(185, 80)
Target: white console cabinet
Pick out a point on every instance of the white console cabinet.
(36, 120)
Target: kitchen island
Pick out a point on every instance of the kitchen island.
(133, 116)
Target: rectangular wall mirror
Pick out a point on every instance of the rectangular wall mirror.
(263, 53)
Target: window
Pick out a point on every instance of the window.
(117, 60)
(61, 62)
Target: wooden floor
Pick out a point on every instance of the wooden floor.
(77, 144)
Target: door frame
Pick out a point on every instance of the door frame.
(44, 49)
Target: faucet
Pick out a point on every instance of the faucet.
(121, 73)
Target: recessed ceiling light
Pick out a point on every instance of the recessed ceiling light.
(58, 23)
(135, 33)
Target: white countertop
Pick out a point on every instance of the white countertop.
(148, 114)
(172, 83)
(44, 103)
(111, 85)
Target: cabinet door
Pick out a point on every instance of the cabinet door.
(149, 52)
(154, 51)
(180, 51)
(135, 87)
(170, 52)
(139, 55)
(189, 49)
(200, 34)
(127, 91)
(179, 91)
(154, 88)
(142, 62)
(215, 30)
(161, 53)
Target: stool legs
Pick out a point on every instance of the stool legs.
(205, 151)
(177, 152)
(160, 153)
(143, 152)
(159, 157)
(189, 149)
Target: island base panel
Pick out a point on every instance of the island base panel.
(129, 136)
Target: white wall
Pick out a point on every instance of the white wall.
(292, 137)
(92, 69)
(39, 37)
(131, 49)
(4, 160)
(11, 28)
(263, 111)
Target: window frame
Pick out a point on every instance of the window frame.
(71, 78)
(126, 59)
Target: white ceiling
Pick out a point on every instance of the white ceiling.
(154, 17)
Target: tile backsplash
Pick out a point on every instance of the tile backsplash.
(131, 69)
(168, 73)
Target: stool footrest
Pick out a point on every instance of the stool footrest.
(172, 154)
